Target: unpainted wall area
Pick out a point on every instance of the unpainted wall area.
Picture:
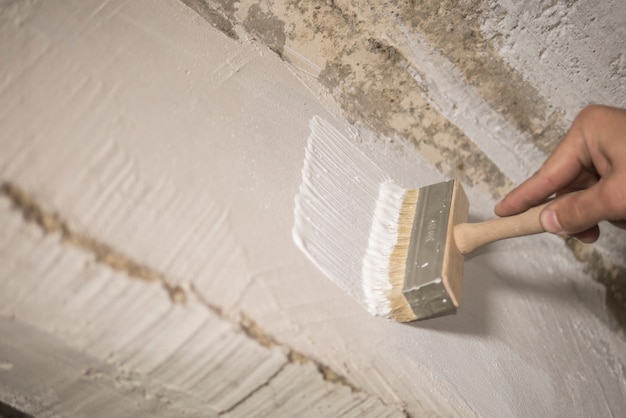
(484, 89)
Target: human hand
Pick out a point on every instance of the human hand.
(586, 171)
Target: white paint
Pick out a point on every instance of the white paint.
(205, 138)
(380, 246)
(335, 206)
(346, 216)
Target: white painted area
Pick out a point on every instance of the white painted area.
(382, 241)
(346, 215)
(152, 132)
(335, 206)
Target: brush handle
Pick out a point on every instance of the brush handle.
(471, 236)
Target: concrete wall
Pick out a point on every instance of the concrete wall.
(149, 162)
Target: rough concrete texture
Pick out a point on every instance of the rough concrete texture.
(235, 362)
(515, 75)
(148, 168)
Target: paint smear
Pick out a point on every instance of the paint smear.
(340, 221)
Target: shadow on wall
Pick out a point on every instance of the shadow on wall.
(7, 411)
(483, 283)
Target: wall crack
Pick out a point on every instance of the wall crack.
(244, 323)
(52, 223)
(265, 384)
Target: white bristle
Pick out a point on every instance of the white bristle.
(382, 240)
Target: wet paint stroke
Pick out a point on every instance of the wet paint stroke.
(335, 206)
(339, 219)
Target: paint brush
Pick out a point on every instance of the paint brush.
(398, 252)
(424, 278)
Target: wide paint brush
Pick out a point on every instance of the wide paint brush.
(425, 274)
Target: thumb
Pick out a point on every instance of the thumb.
(579, 211)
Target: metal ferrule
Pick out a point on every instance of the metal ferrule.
(423, 287)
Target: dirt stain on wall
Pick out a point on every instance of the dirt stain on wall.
(375, 83)
(454, 28)
(214, 15)
(371, 79)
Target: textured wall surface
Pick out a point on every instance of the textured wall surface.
(150, 153)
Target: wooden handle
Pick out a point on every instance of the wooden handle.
(471, 236)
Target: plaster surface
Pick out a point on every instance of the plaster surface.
(149, 165)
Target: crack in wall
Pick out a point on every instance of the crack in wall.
(253, 392)
(248, 326)
(254, 331)
(245, 324)
(52, 223)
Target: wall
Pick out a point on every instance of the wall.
(149, 164)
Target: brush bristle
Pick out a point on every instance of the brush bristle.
(382, 240)
(400, 309)
(384, 263)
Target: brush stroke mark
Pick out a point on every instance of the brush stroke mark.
(335, 206)
(346, 216)
(254, 331)
(122, 197)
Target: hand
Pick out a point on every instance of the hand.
(587, 171)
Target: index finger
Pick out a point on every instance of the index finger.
(559, 170)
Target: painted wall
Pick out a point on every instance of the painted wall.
(149, 165)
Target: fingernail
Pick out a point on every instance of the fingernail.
(497, 207)
(587, 240)
(550, 222)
